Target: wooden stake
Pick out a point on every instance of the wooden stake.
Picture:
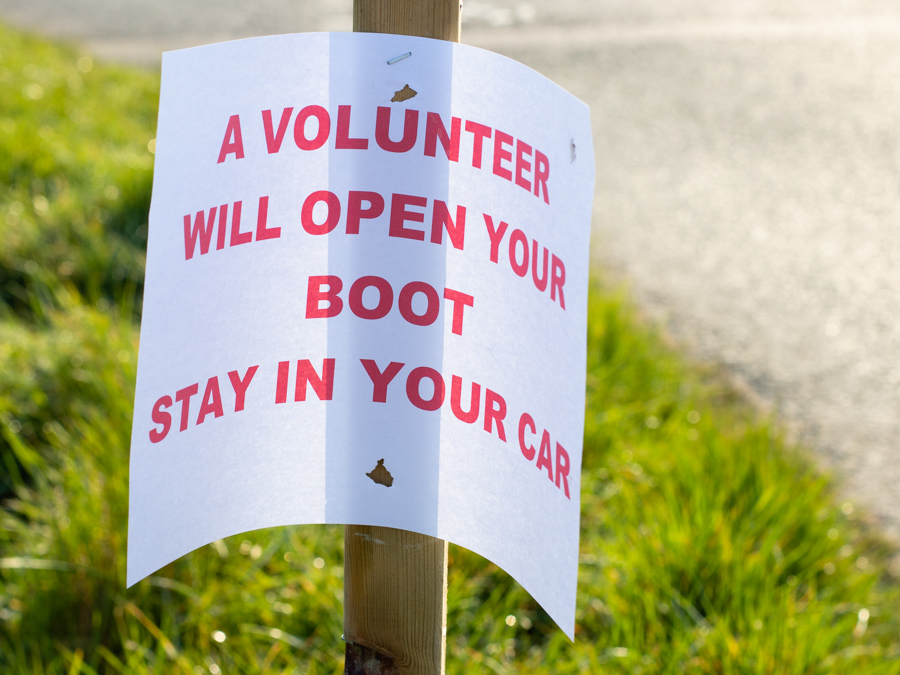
(395, 601)
(437, 19)
(395, 582)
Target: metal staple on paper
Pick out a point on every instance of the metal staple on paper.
(399, 58)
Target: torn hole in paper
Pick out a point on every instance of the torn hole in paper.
(381, 475)
(404, 94)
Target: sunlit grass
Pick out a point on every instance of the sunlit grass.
(76, 169)
(708, 545)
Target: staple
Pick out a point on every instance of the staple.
(399, 58)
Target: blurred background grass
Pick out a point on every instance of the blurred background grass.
(708, 544)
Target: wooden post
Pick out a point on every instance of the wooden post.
(437, 19)
(395, 582)
(395, 601)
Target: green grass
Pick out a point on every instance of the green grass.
(75, 170)
(708, 545)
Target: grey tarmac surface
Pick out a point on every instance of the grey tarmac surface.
(748, 182)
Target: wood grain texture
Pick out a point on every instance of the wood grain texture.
(437, 19)
(395, 601)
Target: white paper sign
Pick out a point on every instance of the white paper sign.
(362, 309)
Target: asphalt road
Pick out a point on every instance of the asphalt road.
(748, 182)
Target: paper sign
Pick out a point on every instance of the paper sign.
(365, 302)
